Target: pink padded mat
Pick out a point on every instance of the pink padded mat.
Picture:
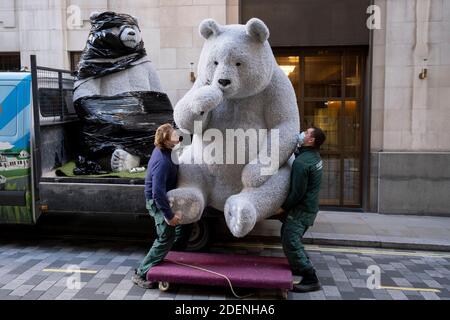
(242, 270)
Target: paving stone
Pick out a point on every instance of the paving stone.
(117, 294)
(105, 288)
(32, 295)
(45, 285)
(397, 295)
(4, 293)
(151, 294)
(344, 287)
(22, 290)
(13, 285)
(331, 291)
(35, 280)
(122, 270)
(433, 284)
(51, 293)
(87, 292)
(67, 294)
(115, 278)
(402, 282)
(136, 291)
(343, 275)
(358, 283)
(430, 296)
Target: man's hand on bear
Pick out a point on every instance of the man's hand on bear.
(174, 221)
(205, 99)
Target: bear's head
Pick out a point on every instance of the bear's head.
(237, 58)
(114, 43)
(111, 30)
(130, 36)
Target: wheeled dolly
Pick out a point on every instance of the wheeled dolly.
(225, 270)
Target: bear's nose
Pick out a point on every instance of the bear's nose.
(224, 82)
(131, 33)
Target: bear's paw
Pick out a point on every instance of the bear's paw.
(240, 215)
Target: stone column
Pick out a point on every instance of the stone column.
(42, 31)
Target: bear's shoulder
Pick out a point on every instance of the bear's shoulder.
(279, 84)
(140, 77)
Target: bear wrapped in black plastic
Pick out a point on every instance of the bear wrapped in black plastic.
(117, 96)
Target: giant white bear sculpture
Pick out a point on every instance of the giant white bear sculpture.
(239, 87)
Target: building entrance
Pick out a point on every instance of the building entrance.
(328, 85)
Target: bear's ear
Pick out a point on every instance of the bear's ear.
(209, 27)
(257, 29)
(94, 15)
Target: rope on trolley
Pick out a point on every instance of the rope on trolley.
(216, 273)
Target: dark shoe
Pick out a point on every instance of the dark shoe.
(296, 273)
(142, 282)
(309, 283)
(301, 272)
(307, 287)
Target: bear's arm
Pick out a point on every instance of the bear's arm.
(283, 124)
(281, 112)
(196, 105)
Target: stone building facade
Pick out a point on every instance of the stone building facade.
(402, 69)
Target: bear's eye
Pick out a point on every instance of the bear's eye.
(238, 64)
(216, 63)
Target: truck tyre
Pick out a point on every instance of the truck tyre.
(199, 237)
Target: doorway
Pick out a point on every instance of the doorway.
(328, 85)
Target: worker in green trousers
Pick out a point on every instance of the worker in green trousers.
(161, 178)
(300, 208)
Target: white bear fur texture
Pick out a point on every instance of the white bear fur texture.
(239, 86)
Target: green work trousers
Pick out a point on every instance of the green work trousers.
(295, 225)
(167, 238)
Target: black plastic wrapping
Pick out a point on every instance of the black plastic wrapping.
(127, 121)
(104, 43)
(87, 167)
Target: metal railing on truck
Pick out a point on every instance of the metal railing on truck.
(52, 92)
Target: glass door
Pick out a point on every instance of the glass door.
(328, 89)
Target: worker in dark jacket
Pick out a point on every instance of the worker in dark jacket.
(300, 208)
(161, 178)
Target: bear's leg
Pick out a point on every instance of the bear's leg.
(244, 209)
(188, 200)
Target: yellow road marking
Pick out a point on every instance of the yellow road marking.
(70, 270)
(397, 288)
(382, 252)
(343, 250)
(409, 289)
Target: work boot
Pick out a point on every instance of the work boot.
(309, 283)
(301, 272)
(142, 281)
